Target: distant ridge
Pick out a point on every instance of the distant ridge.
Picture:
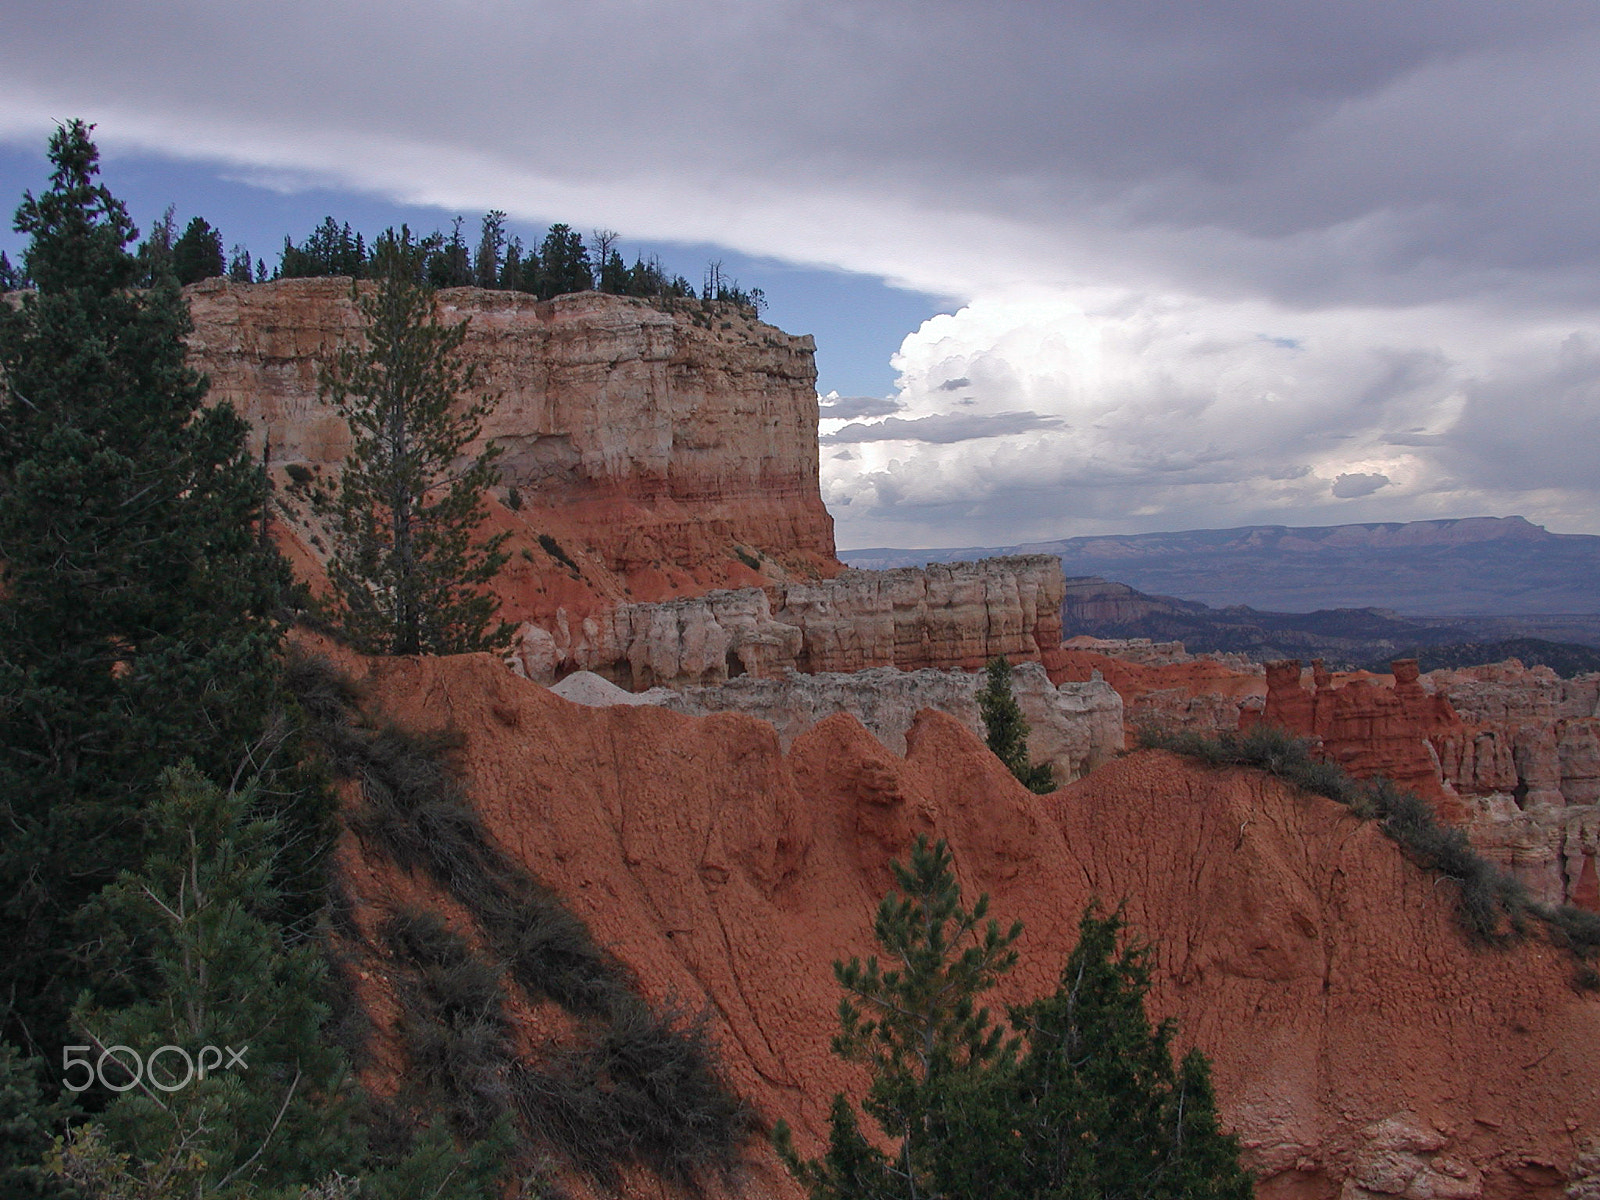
(1470, 566)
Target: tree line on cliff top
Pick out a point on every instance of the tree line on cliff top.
(561, 263)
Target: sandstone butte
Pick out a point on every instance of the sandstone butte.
(671, 530)
(1361, 1047)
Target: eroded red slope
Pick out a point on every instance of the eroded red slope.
(1354, 1034)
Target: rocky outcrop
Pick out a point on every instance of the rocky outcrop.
(1074, 727)
(949, 615)
(1510, 754)
(648, 443)
(1161, 685)
(1367, 729)
(1359, 1043)
(1530, 761)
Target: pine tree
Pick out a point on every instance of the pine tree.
(487, 263)
(267, 1107)
(563, 263)
(916, 1023)
(1008, 729)
(197, 254)
(1091, 1107)
(406, 576)
(1099, 1108)
(134, 612)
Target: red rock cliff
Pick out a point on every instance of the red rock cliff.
(650, 444)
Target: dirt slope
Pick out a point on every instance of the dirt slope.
(1358, 1042)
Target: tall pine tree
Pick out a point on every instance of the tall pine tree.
(407, 575)
(134, 611)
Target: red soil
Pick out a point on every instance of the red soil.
(1320, 970)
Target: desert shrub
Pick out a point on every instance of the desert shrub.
(453, 1026)
(551, 953)
(554, 550)
(645, 1088)
(1576, 929)
(748, 559)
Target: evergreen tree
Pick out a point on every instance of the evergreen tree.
(614, 274)
(407, 578)
(1008, 730)
(511, 269)
(239, 266)
(134, 611)
(331, 249)
(563, 263)
(917, 1025)
(27, 1124)
(11, 278)
(194, 920)
(155, 252)
(1099, 1108)
(197, 254)
(1091, 1108)
(486, 264)
(446, 262)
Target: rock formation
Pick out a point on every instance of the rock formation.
(1367, 729)
(1360, 1045)
(1511, 754)
(651, 445)
(1161, 685)
(947, 615)
(1074, 727)
(1529, 761)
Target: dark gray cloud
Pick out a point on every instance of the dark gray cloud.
(943, 429)
(1355, 151)
(850, 408)
(1349, 486)
(1314, 243)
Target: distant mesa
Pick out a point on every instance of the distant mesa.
(1474, 566)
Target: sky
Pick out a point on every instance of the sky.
(1073, 267)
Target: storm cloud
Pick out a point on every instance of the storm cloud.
(1222, 256)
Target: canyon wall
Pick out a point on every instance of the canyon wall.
(649, 442)
(1360, 1044)
(947, 615)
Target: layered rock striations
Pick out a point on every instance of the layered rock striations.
(649, 443)
(1360, 1045)
(949, 615)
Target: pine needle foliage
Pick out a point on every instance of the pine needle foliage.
(915, 1021)
(137, 600)
(1084, 1103)
(407, 574)
(1103, 1111)
(1007, 728)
